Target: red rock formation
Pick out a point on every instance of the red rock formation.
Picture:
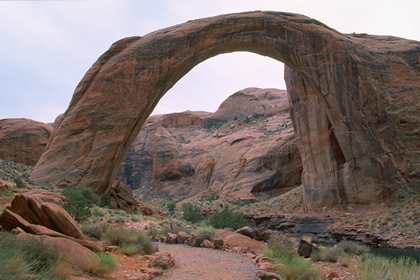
(253, 157)
(23, 140)
(366, 87)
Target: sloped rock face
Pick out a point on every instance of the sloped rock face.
(359, 137)
(237, 153)
(23, 140)
(366, 88)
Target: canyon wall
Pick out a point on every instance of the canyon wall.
(239, 152)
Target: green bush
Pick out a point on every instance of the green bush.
(192, 213)
(105, 200)
(227, 219)
(79, 202)
(171, 207)
(378, 268)
(19, 183)
(30, 258)
(131, 241)
(7, 193)
(104, 264)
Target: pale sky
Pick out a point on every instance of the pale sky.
(47, 46)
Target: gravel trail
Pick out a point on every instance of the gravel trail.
(207, 264)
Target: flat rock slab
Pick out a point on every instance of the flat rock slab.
(207, 264)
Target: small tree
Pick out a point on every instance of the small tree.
(171, 207)
(19, 183)
(227, 219)
(192, 213)
(79, 202)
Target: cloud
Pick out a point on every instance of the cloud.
(47, 46)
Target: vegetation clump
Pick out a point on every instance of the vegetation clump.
(192, 213)
(19, 183)
(282, 250)
(227, 219)
(131, 241)
(79, 202)
(28, 259)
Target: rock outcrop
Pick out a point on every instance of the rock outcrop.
(239, 156)
(32, 213)
(359, 92)
(23, 140)
(121, 197)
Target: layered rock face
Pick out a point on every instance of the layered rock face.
(363, 88)
(23, 140)
(359, 137)
(238, 151)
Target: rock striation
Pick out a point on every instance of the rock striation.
(359, 92)
(23, 140)
(237, 153)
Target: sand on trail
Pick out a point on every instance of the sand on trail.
(207, 264)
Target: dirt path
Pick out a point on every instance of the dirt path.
(207, 264)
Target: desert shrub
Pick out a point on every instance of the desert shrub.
(19, 183)
(282, 246)
(97, 213)
(209, 230)
(7, 193)
(131, 241)
(353, 248)
(378, 268)
(98, 231)
(105, 200)
(136, 218)
(296, 267)
(171, 207)
(282, 249)
(332, 254)
(102, 265)
(227, 219)
(172, 226)
(192, 213)
(79, 202)
(28, 259)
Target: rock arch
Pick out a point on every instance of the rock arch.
(352, 101)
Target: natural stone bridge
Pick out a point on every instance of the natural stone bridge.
(355, 102)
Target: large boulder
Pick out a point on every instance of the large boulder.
(233, 239)
(23, 140)
(32, 215)
(354, 103)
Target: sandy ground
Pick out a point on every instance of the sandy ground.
(207, 264)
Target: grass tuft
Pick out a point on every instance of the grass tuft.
(102, 265)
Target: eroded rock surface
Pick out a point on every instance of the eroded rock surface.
(238, 154)
(360, 92)
(23, 140)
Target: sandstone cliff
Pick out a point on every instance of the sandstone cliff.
(238, 151)
(23, 140)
